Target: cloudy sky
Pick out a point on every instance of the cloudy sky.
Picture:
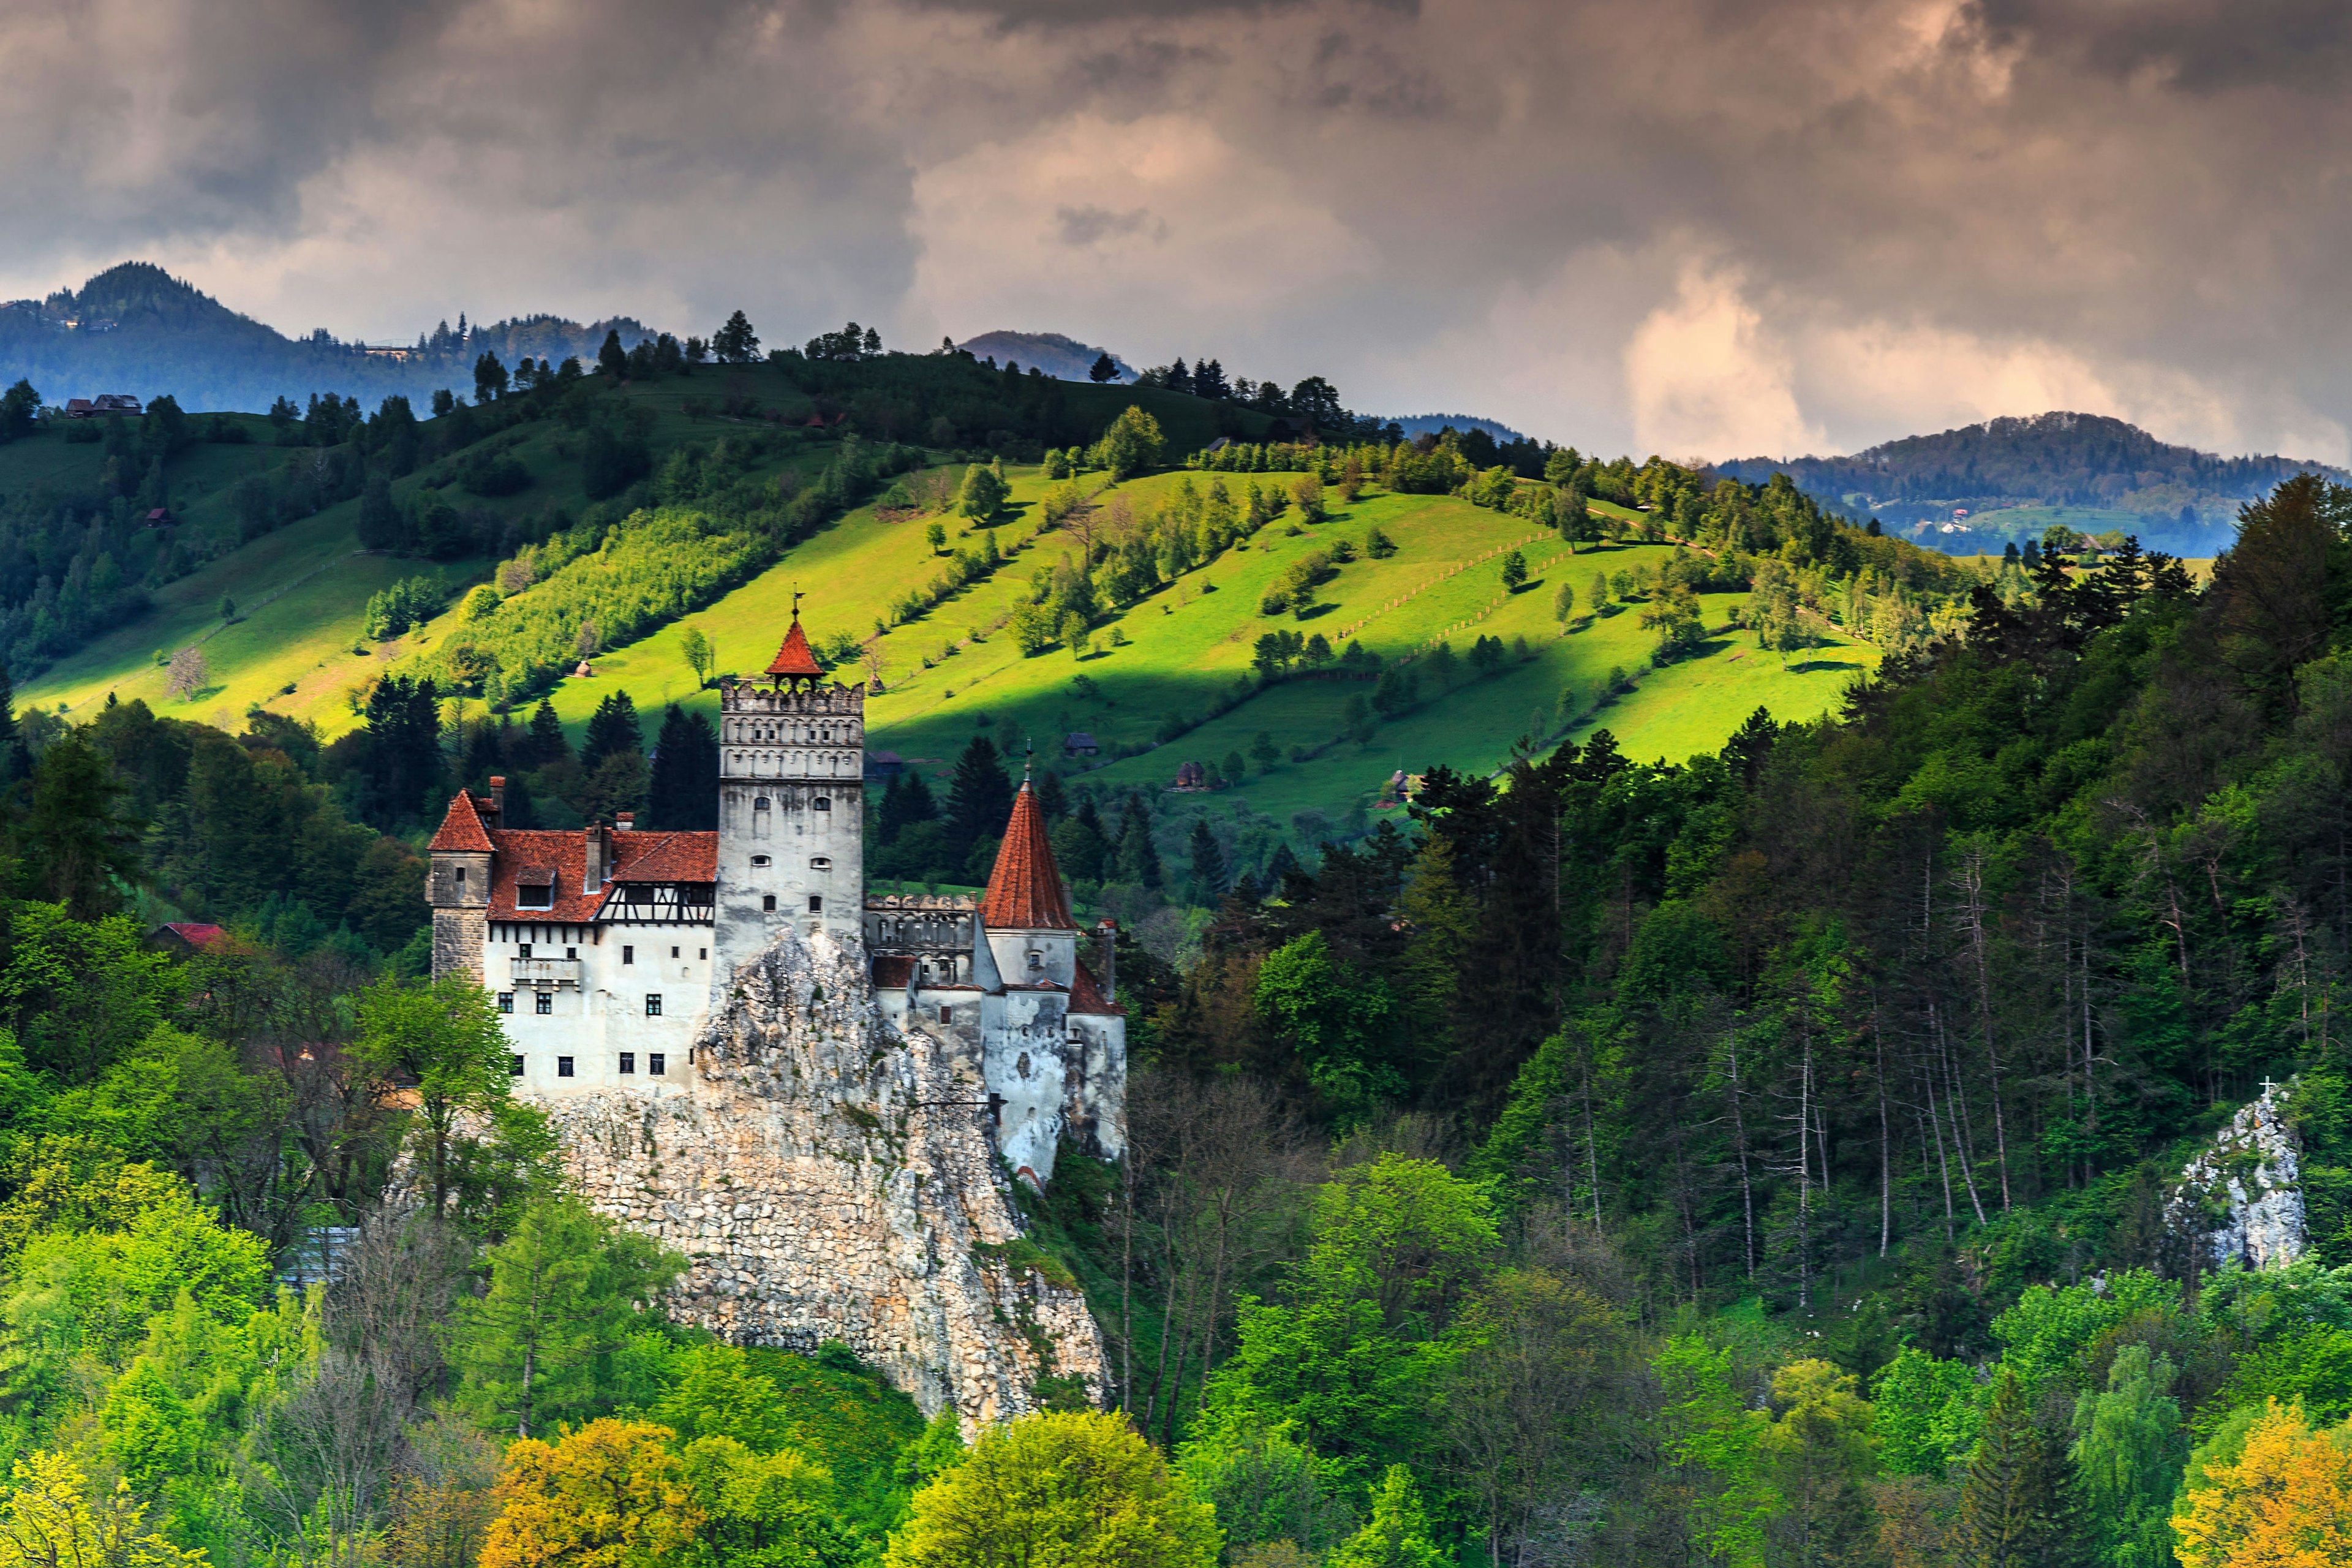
(1702, 228)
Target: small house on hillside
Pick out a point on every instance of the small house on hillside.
(884, 765)
(1080, 743)
(184, 939)
(1191, 777)
(104, 404)
(160, 517)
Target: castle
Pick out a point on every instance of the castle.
(612, 949)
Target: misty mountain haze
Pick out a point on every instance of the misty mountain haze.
(136, 329)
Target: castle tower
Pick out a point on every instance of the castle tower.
(791, 804)
(1030, 931)
(458, 888)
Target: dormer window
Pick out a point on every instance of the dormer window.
(535, 895)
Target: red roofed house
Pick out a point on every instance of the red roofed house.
(185, 937)
(607, 947)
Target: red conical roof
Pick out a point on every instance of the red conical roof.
(1024, 890)
(794, 657)
(461, 828)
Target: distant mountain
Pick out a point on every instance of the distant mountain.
(2176, 497)
(136, 329)
(1428, 424)
(1063, 358)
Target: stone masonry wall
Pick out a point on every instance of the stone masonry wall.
(831, 1178)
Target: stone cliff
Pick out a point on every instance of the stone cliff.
(832, 1178)
(2242, 1199)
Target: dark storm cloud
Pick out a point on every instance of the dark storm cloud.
(1630, 221)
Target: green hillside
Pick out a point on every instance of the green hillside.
(1188, 645)
(1159, 669)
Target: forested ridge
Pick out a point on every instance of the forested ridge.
(1766, 1159)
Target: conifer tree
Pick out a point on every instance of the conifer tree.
(979, 800)
(1208, 865)
(2020, 1508)
(15, 761)
(905, 801)
(736, 343)
(1139, 858)
(612, 729)
(547, 743)
(684, 793)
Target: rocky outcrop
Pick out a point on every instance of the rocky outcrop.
(832, 1178)
(2242, 1199)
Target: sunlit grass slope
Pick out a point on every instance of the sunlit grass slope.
(1187, 645)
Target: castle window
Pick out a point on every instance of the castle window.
(758, 860)
(564, 1066)
(652, 1004)
(535, 896)
(760, 803)
(506, 1001)
(522, 950)
(629, 1061)
(819, 864)
(702, 953)
(823, 803)
(461, 876)
(1036, 959)
(656, 1063)
(816, 903)
(628, 954)
(543, 1003)
(673, 952)
(514, 1067)
(768, 901)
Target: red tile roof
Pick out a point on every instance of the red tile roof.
(665, 857)
(1024, 890)
(1086, 996)
(461, 828)
(636, 858)
(794, 657)
(196, 934)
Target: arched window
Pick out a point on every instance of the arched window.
(823, 803)
(760, 803)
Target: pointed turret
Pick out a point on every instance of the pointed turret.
(794, 659)
(461, 826)
(1024, 890)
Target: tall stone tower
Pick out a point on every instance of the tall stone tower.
(791, 807)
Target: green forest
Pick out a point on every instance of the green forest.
(1774, 1157)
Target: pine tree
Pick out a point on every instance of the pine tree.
(2019, 1508)
(1103, 369)
(906, 802)
(547, 743)
(1139, 860)
(736, 343)
(15, 761)
(612, 729)
(1051, 800)
(979, 799)
(684, 793)
(612, 358)
(1208, 865)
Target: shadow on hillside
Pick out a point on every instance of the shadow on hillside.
(1812, 666)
